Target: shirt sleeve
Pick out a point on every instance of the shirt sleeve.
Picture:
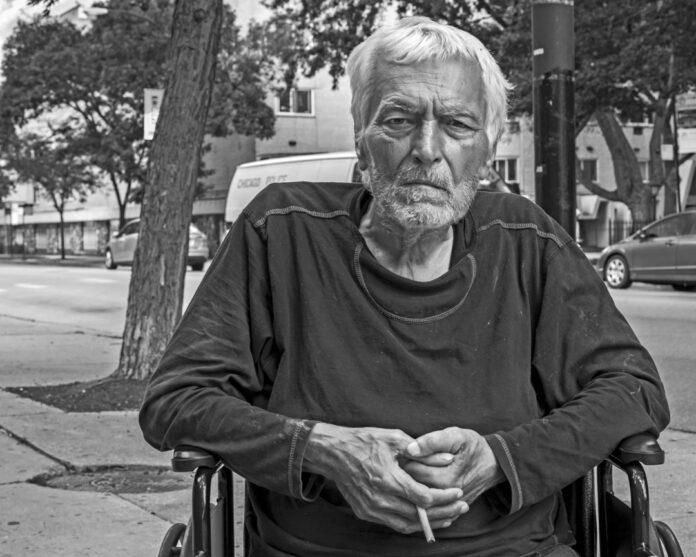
(212, 385)
(596, 382)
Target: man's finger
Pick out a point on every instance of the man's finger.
(431, 476)
(447, 440)
(437, 459)
(421, 495)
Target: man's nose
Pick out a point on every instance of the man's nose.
(426, 145)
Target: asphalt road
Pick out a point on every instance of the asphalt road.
(95, 299)
(89, 297)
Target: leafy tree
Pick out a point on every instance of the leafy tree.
(632, 58)
(49, 157)
(97, 75)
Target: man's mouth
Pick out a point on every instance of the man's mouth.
(423, 183)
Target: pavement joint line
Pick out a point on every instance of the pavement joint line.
(681, 430)
(24, 441)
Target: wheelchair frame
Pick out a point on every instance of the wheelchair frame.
(588, 503)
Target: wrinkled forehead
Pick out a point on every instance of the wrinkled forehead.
(449, 85)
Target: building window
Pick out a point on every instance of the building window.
(645, 170)
(295, 101)
(589, 167)
(506, 169)
(686, 117)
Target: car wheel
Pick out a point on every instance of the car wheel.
(684, 287)
(109, 260)
(197, 266)
(616, 272)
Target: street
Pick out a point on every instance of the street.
(94, 299)
(665, 321)
(88, 297)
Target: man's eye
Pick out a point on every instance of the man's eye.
(458, 124)
(398, 122)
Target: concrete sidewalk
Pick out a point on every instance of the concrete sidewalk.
(37, 439)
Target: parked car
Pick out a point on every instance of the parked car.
(121, 248)
(663, 252)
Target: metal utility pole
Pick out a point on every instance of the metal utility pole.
(553, 46)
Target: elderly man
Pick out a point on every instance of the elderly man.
(357, 352)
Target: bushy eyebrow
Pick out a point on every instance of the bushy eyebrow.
(451, 110)
(394, 104)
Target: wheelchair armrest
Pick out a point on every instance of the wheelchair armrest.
(642, 448)
(187, 459)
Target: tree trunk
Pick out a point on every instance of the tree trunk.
(121, 215)
(155, 295)
(62, 234)
(629, 181)
(661, 134)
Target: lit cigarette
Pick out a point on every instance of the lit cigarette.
(425, 524)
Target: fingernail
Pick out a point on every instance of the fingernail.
(447, 524)
(413, 449)
(463, 507)
(460, 493)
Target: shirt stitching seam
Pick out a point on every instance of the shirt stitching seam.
(523, 226)
(515, 477)
(259, 223)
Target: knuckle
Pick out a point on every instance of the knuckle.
(427, 500)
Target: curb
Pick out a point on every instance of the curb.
(69, 261)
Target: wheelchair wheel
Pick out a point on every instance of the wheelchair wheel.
(668, 540)
(172, 542)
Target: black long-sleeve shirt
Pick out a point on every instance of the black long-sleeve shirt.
(296, 322)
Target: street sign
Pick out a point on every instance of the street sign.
(153, 102)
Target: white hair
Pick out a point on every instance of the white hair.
(416, 39)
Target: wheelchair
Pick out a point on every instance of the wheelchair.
(604, 526)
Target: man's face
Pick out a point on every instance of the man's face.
(425, 142)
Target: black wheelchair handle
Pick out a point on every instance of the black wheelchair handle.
(642, 448)
(187, 459)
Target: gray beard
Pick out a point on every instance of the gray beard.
(420, 207)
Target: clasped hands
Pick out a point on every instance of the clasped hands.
(384, 474)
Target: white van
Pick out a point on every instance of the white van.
(251, 177)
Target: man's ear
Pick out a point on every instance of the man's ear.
(485, 170)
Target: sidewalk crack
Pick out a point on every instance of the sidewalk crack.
(64, 463)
